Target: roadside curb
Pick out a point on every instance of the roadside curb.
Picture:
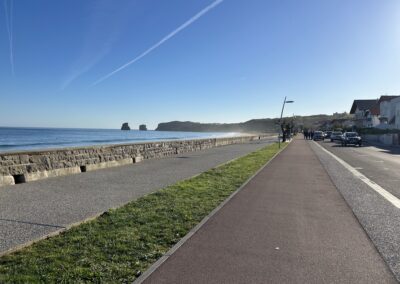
(169, 253)
(51, 234)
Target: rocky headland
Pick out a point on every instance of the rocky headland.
(264, 125)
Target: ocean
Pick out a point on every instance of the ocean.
(20, 139)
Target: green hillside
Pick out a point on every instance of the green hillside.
(264, 125)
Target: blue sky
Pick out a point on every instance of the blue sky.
(234, 63)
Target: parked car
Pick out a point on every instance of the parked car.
(328, 134)
(318, 135)
(336, 136)
(351, 138)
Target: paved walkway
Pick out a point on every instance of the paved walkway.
(33, 210)
(287, 225)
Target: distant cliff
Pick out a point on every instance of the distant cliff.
(265, 125)
(255, 125)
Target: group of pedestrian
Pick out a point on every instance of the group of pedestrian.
(308, 135)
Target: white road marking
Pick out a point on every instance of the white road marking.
(383, 192)
(358, 168)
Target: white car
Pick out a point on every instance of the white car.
(336, 136)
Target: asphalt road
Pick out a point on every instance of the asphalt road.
(289, 224)
(380, 164)
(379, 218)
(33, 210)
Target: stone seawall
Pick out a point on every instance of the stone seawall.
(29, 166)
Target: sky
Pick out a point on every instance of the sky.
(99, 63)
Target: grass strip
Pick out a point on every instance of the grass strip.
(122, 243)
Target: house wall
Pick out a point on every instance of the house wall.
(370, 120)
(359, 118)
(365, 121)
(396, 106)
(385, 109)
(387, 112)
(374, 120)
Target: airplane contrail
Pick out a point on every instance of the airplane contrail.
(9, 25)
(163, 40)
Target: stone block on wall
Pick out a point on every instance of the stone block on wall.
(6, 180)
(109, 164)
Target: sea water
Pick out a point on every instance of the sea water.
(19, 139)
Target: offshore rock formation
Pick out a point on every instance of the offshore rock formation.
(143, 127)
(125, 126)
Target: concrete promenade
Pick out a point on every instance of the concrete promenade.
(33, 210)
(289, 224)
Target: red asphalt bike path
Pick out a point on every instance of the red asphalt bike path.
(289, 224)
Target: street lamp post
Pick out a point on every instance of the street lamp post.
(280, 120)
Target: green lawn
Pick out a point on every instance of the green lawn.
(122, 243)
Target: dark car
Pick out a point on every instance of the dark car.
(328, 134)
(318, 135)
(336, 136)
(351, 138)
